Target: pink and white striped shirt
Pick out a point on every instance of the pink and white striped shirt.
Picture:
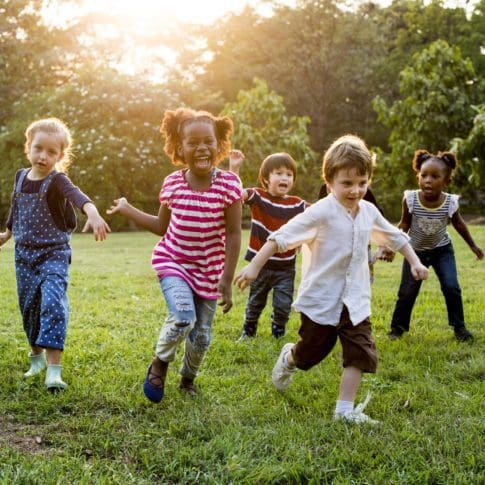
(193, 248)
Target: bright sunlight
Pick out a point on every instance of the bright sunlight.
(183, 10)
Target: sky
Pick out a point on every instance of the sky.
(137, 18)
(165, 11)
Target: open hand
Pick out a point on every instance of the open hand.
(118, 206)
(236, 158)
(99, 227)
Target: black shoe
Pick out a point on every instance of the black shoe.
(245, 335)
(187, 385)
(277, 331)
(395, 333)
(462, 334)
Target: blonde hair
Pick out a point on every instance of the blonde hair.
(52, 126)
(347, 152)
(173, 123)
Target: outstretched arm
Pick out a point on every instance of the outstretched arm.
(156, 224)
(405, 222)
(95, 222)
(462, 229)
(386, 254)
(248, 274)
(233, 246)
(418, 270)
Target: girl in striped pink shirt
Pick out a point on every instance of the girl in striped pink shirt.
(200, 224)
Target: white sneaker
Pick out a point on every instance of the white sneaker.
(357, 414)
(282, 373)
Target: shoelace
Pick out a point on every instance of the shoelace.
(360, 407)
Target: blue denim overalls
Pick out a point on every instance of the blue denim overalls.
(42, 258)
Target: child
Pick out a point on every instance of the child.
(425, 214)
(382, 252)
(334, 294)
(200, 224)
(41, 220)
(271, 207)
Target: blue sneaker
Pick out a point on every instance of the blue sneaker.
(154, 384)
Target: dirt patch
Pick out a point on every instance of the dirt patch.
(23, 437)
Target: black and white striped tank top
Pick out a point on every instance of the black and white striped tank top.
(428, 226)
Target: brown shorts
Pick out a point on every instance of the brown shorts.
(316, 341)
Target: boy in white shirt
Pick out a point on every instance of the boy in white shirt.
(334, 293)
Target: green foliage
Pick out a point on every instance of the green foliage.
(471, 150)
(262, 127)
(437, 93)
(427, 393)
(114, 119)
(32, 55)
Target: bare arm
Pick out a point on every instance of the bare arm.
(95, 222)
(405, 222)
(462, 229)
(418, 270)
(236, 158)
(156, 224)
(248, 274)
(233, 246)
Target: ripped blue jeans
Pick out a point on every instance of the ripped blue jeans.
(190, 320)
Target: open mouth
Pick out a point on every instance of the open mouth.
(202, 162)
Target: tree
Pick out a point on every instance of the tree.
(114, 119)
(32, 55)
(262, 127)
(471, 156)
(437, 94)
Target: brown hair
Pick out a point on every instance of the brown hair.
(173, 123)
(272, 162)
(347, 152)
(52, 126)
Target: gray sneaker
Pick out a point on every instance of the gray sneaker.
(282, 373)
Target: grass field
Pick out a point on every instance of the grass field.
(428, 391)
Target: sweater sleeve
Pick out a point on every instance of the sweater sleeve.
(63, 186)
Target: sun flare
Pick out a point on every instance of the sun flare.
(182, 10)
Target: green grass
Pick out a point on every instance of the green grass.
(428, 391)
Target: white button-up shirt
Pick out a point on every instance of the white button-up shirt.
(338, 270)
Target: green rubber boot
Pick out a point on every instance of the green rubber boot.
(37, 364)
(53, 380)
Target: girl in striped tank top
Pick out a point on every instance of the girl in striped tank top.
(200, 224)
(425, 215)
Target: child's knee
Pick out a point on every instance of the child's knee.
(201, 340)
(175, 329)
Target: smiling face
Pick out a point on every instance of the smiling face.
(348, 187)
(433, 177)
(199, 147)
(44, 152)
(280, 181)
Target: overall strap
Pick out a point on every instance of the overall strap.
(46, 182)
(20, 181)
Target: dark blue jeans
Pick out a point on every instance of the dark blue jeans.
(442, 260)
(282, 284)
